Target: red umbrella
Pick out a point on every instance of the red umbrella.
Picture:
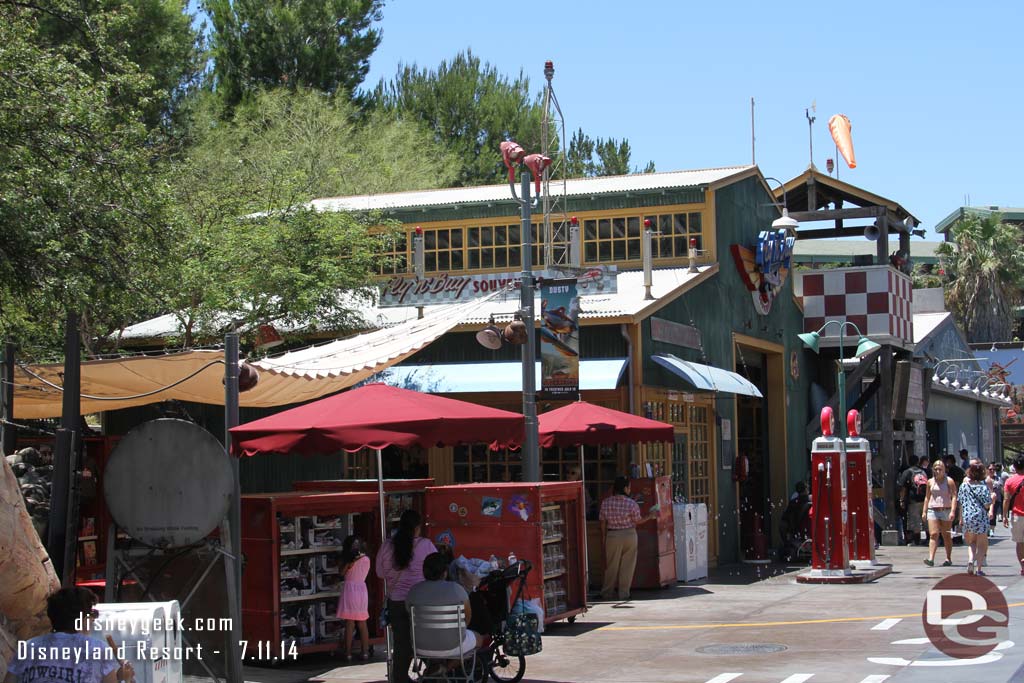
(377, 416)
(585, 424)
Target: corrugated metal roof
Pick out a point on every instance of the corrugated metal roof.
(500, 193)
(1009, 213)
(805, 250)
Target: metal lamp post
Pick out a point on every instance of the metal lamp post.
(865, 346)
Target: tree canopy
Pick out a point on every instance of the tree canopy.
(600, 157)
(320, 44)
(985, 264)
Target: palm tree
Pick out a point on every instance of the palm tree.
(985, 267)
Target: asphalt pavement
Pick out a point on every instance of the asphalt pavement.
(755, 624)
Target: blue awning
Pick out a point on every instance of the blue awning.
(707, 377)
(452, 378)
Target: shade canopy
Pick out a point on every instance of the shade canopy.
(585, 424)
(377, 416)
(707, 377)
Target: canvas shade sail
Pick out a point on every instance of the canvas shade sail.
(377, 416)
(294, 377)
(586, 424)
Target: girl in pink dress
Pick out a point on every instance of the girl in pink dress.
(353, 603)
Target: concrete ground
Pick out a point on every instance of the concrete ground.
(781, 632)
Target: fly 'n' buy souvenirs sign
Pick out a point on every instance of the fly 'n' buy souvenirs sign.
(764, 268)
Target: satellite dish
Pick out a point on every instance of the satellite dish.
(168, 483)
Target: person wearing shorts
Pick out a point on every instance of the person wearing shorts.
(1013, 508)
(940, 511)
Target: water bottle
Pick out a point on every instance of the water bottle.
(511, 558)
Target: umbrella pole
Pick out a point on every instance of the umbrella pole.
(383, 540)
(583, 532)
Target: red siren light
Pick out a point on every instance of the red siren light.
(647, 223)
(574, 221)
(853, 423)
(828, 422)
(419, 229)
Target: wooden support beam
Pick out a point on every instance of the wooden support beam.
(825, 233)
(837, 214)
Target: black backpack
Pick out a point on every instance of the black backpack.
(918, 484)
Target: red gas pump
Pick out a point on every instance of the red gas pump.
(858, 477)
(830, 555)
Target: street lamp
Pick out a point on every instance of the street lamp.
(812, 340)
(515, 157)
(784, 222)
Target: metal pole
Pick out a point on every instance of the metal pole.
(9, 440)
(383, 540)
(531, 455)
(841, 380)
(234, 668)
(64, 462)
(583, 531)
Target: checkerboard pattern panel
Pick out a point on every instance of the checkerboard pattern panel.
(876, 299)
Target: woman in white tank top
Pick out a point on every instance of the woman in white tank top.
(940, 511)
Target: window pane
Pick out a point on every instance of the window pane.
(665, 224)
(474, 259)
(474, 237)
(536, 229)
(487, 258)
(695, 224)
(500, 258)
(499, 236)
(430, 259)
(513, 257)
(619, 249)
(485, 236)
(457, 260)
(514, 238)
(633, 226)
(442, 239)
(590, 252)
(680, 223)
(618, 227)
(604, 228)
(430, 239)
(457, 238)
(590, 230)
(443, 260)
(633, 250)
(604, 251)
(664, 247)
(681, 246)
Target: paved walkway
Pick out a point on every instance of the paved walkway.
(753, 624)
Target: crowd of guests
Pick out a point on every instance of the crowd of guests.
(971, 495)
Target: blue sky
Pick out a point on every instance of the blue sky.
(934, 90)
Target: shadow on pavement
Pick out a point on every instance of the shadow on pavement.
(561, 630)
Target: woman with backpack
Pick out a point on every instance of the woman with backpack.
(940, 511)
(975, 501)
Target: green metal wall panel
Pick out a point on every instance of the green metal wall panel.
(721, 306)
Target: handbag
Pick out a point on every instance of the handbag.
(521, 634)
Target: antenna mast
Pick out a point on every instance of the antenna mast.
(753, 139)
(810, 128)
(556, 221)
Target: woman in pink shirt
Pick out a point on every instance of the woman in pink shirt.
(400, 564)
(940, 511)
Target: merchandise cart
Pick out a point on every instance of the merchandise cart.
(539, 522)
(291, 583)
(399, 494)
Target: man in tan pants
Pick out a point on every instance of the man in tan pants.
(619, 516)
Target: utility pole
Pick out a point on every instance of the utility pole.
(62, 533)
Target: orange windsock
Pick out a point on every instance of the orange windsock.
(839, 126)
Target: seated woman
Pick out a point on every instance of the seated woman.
(435, 591)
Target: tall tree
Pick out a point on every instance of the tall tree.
(470, 108)
(985, 264)
(249, 248)
(319, 44)
(601, 157)
(81, 225)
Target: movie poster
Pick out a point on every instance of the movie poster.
(560, 338)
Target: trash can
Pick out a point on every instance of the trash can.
(691, 522)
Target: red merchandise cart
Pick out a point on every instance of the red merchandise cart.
(656, 543)
(539, 522)
(399, 494)
(291, 542)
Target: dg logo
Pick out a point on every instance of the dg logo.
(965, 616)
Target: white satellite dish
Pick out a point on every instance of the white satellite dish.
(168, 483)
